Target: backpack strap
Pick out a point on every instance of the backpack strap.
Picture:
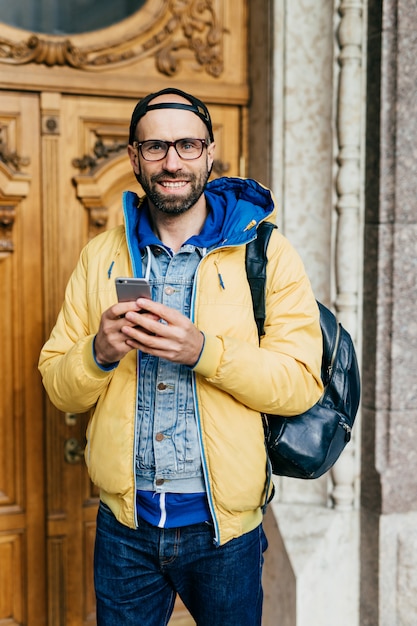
(256, 261)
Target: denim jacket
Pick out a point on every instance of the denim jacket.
(168, 453)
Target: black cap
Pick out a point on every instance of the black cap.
(196, 106)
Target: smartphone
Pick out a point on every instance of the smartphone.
(130, 289)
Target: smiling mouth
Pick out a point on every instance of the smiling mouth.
(174, 184)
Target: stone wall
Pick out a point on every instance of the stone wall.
(316, 170)
(389, 450)
(328, 563)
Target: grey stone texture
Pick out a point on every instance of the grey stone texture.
(389, 450)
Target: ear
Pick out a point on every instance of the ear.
(211, 148)
(134, 158)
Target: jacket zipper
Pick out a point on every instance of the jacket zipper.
(203, 454)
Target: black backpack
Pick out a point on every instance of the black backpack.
(308, 445)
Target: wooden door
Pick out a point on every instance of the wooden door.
(85, 198)
(22, 452)
(63, 167)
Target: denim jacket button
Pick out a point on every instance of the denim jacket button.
(159, 437)
(161, 386)
(159, 481)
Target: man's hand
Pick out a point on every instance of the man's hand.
(162, 332)
(110, 342)
(157, 330)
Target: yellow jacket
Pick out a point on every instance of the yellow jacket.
(235, 378)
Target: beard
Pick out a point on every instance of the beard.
(174, 204)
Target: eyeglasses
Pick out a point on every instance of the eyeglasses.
(156, 150)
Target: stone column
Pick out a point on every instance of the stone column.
(312, 565)
(389, 449)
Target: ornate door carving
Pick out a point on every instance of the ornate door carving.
(63, 166)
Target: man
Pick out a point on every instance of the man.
(177, 383)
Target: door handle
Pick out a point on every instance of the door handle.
(73, 452)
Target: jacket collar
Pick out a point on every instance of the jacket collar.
(237, 206)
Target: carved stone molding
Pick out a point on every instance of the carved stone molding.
(348, 180)
(348, 248)
(179, 30)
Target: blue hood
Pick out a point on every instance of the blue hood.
(237, 206)
(245, 203)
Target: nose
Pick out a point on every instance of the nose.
(172, 160)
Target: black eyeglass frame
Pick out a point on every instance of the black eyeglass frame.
(168, 144)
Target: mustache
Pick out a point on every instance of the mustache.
(170, 176)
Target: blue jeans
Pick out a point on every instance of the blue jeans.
(138, 573)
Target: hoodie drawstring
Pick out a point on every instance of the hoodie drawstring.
(219, 275)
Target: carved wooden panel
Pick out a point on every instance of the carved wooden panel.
(14, 183)
(176, 32)
(56, 581)
(200, 44)
(22, 540)
(11, 579)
